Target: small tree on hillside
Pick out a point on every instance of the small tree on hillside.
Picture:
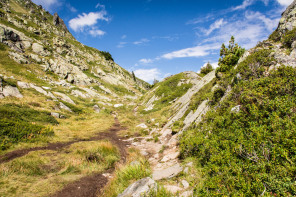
(206, 69)
(229, 56)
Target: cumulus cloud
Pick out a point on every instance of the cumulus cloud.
(84, 20)
(47, 4)
(197, 51)
(148, 74)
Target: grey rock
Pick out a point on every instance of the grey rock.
(140, 188)
(56, 115)
(172, 188)
(23, 85)
(64, 97)
(64, 107)
(96, 108)
(37, 48)
(185, 184)
(236, 109)
(118, 105)
(11, 91)
(59, 22)
(186, 170)
(167, 173)
(187, 194)
(142, 125)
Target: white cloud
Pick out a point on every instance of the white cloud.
(146, 61)
(100, 6)
(123, 36)
(270, 24)
(216, 25)
(84, 20)
(197, 51)
(148, 74)
(214, 64)
(243, 6)
(47, 4)
(121, 44)
(71, 8)
(285, 2)
(142, 41)
(96, 32)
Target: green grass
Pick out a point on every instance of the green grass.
(128, 174)
(21, 123)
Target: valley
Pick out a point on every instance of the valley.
(75, 123)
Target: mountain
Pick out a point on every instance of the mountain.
(226, 132)
(35, 37)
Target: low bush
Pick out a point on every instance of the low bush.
(252, 151)
(21, 123)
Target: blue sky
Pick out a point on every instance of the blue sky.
(158, 38)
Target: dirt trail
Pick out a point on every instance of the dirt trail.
(88, 186)
(110, 134)
(92, 185)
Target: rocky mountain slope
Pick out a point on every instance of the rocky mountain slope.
(35, 37)
(235, 126)
(228, 132)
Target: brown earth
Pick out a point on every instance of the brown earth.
(88, 186)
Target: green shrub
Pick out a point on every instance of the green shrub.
(107, 55)
(245, 153)
(289, 38)
(229, 56)
(207, 69)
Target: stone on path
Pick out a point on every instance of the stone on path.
(139, 188)
(172, 188)
(167, 173)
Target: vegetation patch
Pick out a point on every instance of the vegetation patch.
(252, 151)
(21, 123)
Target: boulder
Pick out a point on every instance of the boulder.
(64, 97)
(56, 115)
(64, 107)
(185, 184)
(140, 188)
(11, 91)
(37, 48)
(59, 22)
(167, 173)
(96, 108)
(118, 105)
(23, 85)
(172, 188)
(236, 109)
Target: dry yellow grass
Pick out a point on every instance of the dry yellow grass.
(42, 171)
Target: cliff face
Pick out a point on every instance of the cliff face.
(35, 37)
